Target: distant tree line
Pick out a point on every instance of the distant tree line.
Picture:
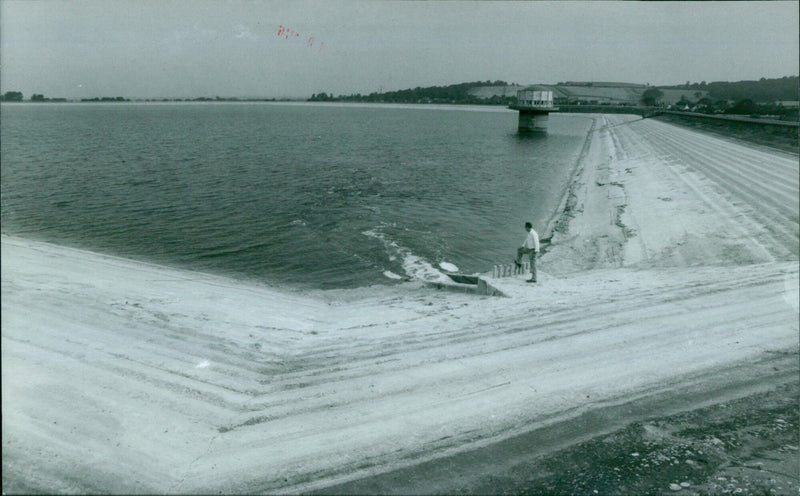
(764, 90)
(11, 96)
(753, 98)
(17, 96)
(745, 106)
(454, 93)
(106, 99)
(742, 97)
(209, 99)
(651, 96)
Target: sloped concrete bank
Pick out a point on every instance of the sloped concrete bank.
(632, 447)
(674, 283)
(782, 135)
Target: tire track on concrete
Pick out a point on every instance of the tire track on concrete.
(737, 172)
(637, 331)
(761, 213)
(778, 166)
(725, 215)
(783, 235)
(668, 304)
(338, 354)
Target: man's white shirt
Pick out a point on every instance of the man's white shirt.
(532, 241)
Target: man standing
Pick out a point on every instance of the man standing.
(530, 246)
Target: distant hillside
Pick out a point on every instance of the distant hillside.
(742, 97)
(612, 93)
(488, 92)
(572, 92)
(454, 93)
(595, 93)
(672, 96)
(764, 90)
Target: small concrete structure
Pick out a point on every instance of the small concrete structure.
(534, 106)
(473, 284)
(508, 270)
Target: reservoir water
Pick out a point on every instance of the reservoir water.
(290, 194)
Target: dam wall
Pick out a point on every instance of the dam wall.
(778, 134)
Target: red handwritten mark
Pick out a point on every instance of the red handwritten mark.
(286, 33)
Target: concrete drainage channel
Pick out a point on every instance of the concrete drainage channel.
(468, 284)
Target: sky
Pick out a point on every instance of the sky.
(282, 48)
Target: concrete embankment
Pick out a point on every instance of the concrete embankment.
(676, 272)
(776, 133)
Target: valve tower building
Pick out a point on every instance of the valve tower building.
(533, 106)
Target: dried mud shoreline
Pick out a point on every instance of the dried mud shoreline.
(666, 318)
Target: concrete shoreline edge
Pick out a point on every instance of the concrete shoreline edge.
(435, 474)
(559, 221)
(122, 376)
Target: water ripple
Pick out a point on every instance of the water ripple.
(283, 193)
